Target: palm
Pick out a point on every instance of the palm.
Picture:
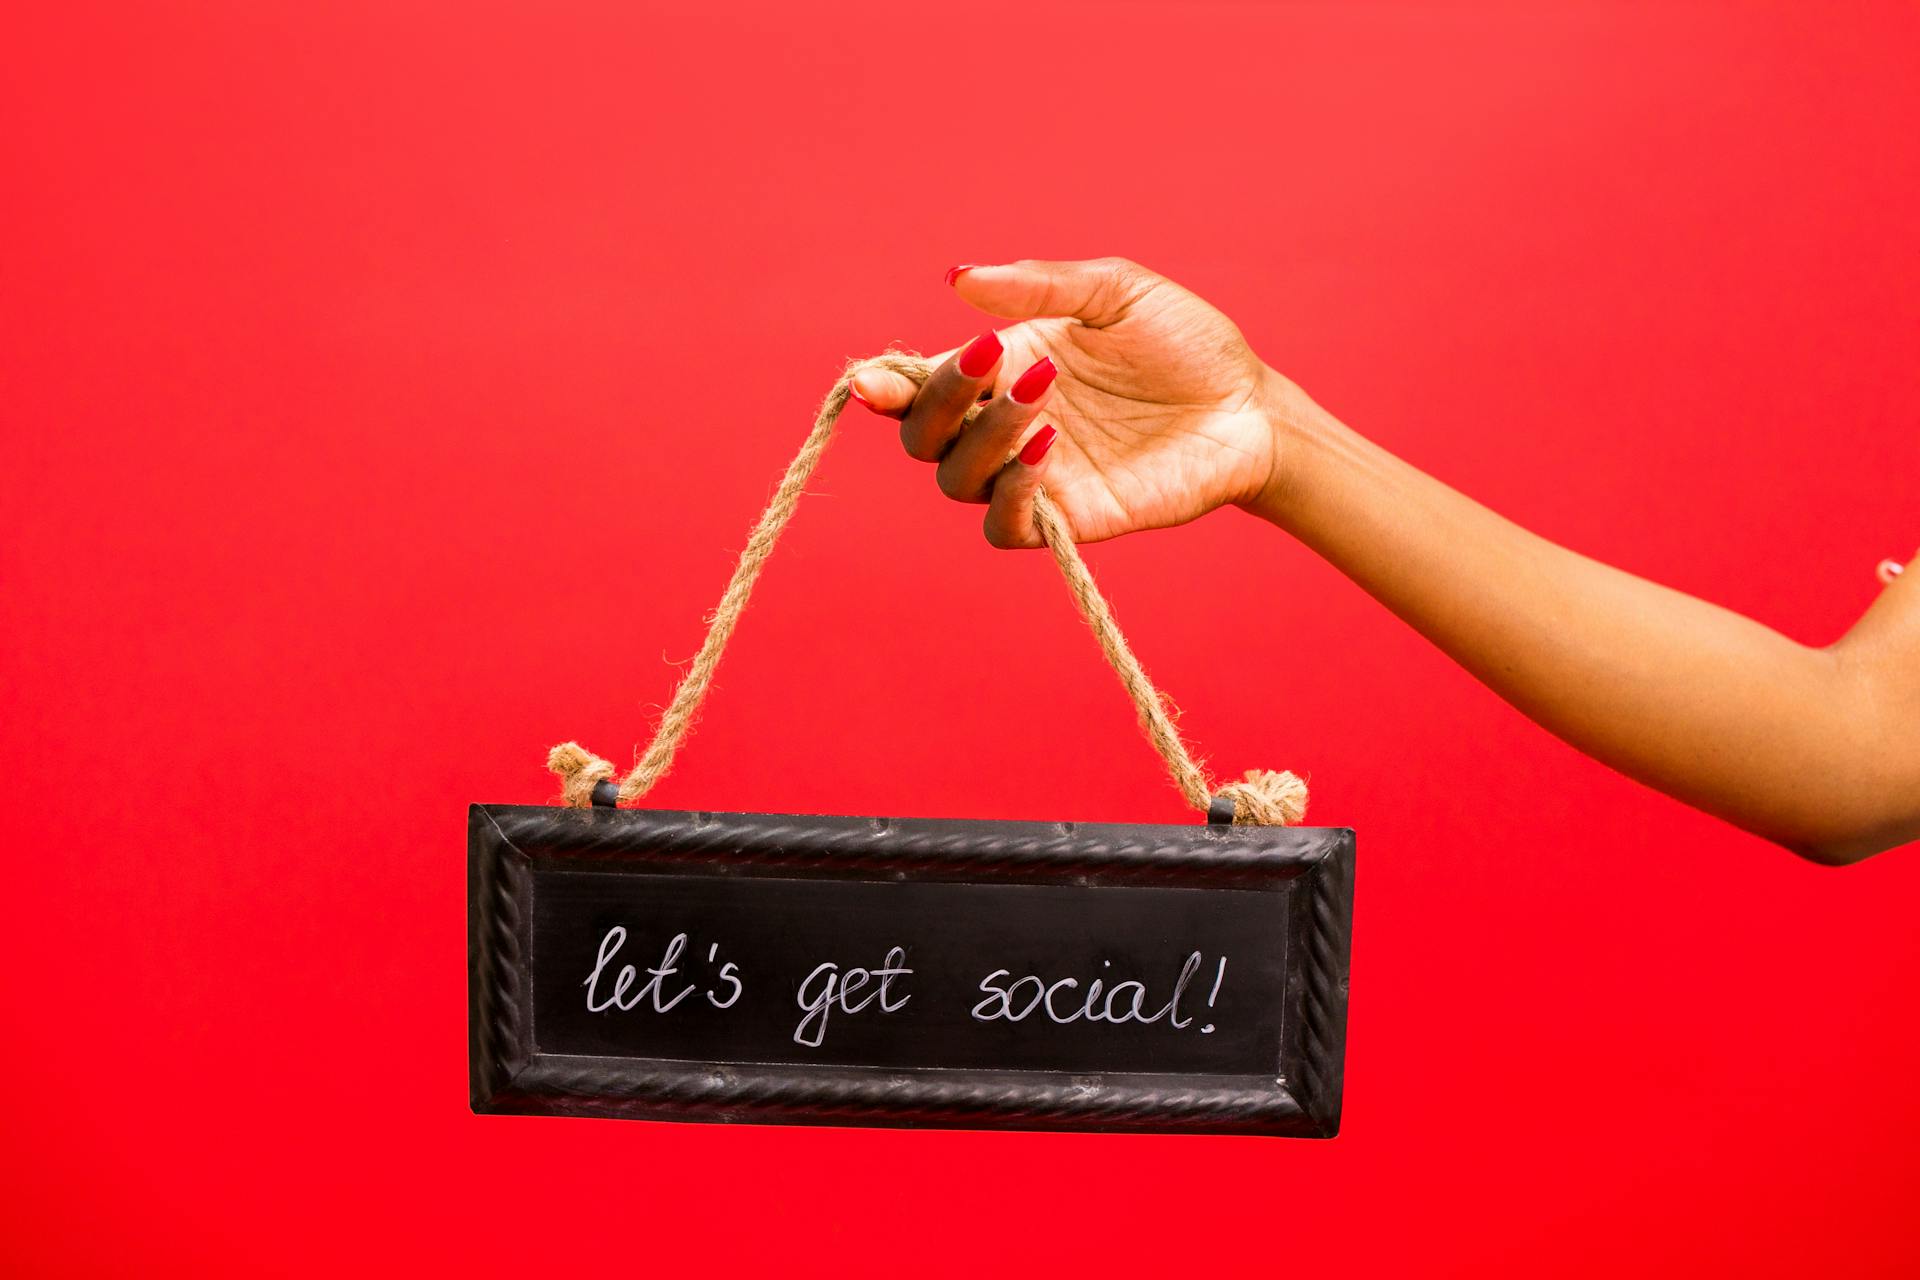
(1149, 438)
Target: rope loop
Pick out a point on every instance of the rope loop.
(1267, 799)
(1262, 798)
(579, 771)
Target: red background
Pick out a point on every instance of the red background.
(387, 389)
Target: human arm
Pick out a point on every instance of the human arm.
(1815, 748)
(1164, 413)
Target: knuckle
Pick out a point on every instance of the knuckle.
(914, 441)
(1049, 300)
(1118, 284)
(952, 483)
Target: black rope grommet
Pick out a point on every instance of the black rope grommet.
(605, 794)
(1220, 812)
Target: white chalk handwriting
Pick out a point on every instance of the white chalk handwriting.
(1059, 999)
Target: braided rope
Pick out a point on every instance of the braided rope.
(1263, 797)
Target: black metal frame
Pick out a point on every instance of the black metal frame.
(509, 1074)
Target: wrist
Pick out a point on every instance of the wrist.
(1293, 422)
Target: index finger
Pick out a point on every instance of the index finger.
(887, 393)
(940, 410)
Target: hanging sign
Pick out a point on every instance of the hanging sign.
(908, 972)
(720, 966)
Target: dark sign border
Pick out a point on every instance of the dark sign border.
(509, 1074)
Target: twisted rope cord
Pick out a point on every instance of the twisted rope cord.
(1262, 798)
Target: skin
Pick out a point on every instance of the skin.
(1164, 413)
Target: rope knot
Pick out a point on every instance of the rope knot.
(1267, 799)
(579, 770)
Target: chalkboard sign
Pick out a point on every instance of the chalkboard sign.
(713, 966)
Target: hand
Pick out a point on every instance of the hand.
(1162, 410)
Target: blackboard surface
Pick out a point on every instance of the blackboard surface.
(793, 944)
(701, 966)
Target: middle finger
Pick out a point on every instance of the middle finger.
(967, 473)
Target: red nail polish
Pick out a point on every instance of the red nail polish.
(954, 273)
(1033, 384)
(981, 355)
(1037, 447)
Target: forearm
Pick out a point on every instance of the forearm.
(1692, 699)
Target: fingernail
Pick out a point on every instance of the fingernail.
(1033, 384)
(954, 273)
(1037, 447)
(853, 392)
(981, 355)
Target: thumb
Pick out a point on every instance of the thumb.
(1096, 293)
